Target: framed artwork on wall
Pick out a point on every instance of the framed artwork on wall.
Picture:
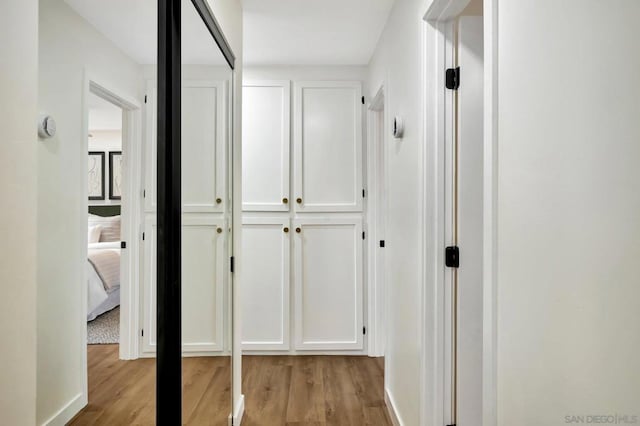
(115, 175)
(96, 175)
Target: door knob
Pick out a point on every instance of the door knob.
(285, 200)
(298, 230)
(219, 200)
(299, 200)
(286, 229)
(219, 230)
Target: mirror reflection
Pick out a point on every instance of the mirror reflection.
(98, 78)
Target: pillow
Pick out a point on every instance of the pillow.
(110, 227)
(94, 234)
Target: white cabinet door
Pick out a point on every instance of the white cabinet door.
(328, 284)
(203, 260)
(203, 146)
(328, 146)
(265, 283)
(265, 145)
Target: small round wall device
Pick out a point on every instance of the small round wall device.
(46, 126)
(398, 127)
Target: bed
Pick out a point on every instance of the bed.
(103, 265)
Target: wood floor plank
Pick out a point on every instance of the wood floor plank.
(306, 392)
(279, 390)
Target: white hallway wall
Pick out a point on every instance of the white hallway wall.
(18, 178)
(397, 63)
(568, 210)
(68, 45)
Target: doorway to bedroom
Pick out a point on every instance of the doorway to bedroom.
(105, 182)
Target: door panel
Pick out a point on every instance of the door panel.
(265, 284)
(470, 178)
(203, 255)
(203, 147)
(328, 146)
(265, 139)
(328, 284)
(203, 242)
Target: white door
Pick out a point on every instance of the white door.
(266, 246)
(265, 145)
(203, 146)
(328, 146)
(469, 221)
(328, 283)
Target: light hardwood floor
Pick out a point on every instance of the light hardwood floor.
(279, 390)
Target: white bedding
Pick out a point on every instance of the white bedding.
(100, 300)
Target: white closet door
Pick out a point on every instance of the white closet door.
(203, 259)
(470, 130)
(203, 146)
(265, 283)
(328, 284)
(328, 146)
(265, 145)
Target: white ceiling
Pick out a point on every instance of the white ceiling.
(132, 26)
(312, 32)
(276, 32)
(103, 115)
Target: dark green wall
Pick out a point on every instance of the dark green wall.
(105, 210)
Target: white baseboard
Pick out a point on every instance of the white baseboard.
(238, 412)
(67, 412)
(391, 409)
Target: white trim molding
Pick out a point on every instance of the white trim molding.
(67, 412)
(375, 216)
(490, 218)
(238, 413)
(391, 409)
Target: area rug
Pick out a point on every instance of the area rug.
(105, 329)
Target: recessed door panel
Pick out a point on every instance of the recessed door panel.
(265, 283)
(328, 284)
(203, 256)
(328, 147)
(202, 147)
(202, 284)
(265, 141)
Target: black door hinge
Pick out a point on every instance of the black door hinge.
(363, 235)
(123, 244)
(363, 100)
(145, 99)
(143, 236)
(452, 80)
(144, 193)
(364, 330)
(452, 257)
(142, 332)
(382, 243)
(232, 264)
(364, 193)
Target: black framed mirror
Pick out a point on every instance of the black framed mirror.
(194, 214)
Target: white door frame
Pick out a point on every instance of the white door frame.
(130, 213)
(376, 219)
(437, 48)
